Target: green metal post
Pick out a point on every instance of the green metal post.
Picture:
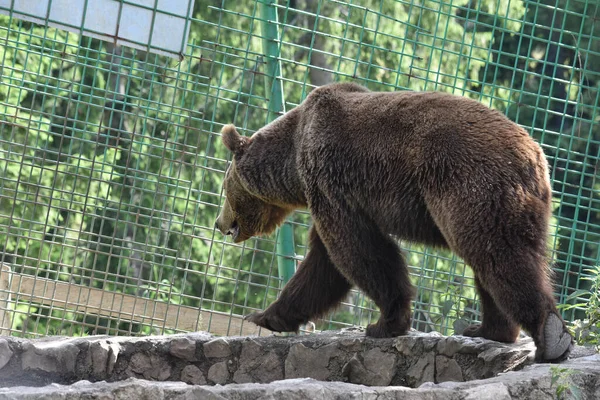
(271, 48)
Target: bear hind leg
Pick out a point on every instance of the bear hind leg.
(505, 244)
(315, 288)
(527, 298)
(495, 324)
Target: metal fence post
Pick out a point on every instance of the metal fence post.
(271, 49)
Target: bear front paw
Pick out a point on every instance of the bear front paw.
(273, 322)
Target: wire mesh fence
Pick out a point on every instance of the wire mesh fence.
(111, 166)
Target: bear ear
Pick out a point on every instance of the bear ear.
(232, 139)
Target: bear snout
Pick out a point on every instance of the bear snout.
(219, 226)
(233, 229)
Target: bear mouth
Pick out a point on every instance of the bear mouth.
(234, 231)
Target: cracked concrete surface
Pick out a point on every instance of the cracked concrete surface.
(329, 365)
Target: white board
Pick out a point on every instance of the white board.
(157, 26)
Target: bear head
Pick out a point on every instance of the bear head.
(245, 213)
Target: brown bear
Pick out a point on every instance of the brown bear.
(428, 167)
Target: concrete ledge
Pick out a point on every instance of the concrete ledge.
(533, 382)
(201, 359)
(329, 365)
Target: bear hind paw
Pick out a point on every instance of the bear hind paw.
(508, 335)
(383, 330)
(473, 330)
(558, 342)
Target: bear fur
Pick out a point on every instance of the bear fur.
(427, 167)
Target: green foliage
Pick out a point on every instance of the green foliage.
(565, 387)
(587, 331)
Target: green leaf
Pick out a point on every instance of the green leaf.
(447, 307)
(578, 293)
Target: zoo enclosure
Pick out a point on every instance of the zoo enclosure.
(111, 166)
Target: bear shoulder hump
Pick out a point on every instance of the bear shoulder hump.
(334, 91)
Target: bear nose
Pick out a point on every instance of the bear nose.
(219, 228)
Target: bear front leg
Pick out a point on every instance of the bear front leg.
(314, 289)
(495, 324)
(372, 261)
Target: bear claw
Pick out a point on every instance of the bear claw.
(272, 322)
(473, 330)
(383, 330)
(558, 342)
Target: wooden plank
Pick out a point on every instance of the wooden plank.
(230, 325)
(5, 313)
(125, 307)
